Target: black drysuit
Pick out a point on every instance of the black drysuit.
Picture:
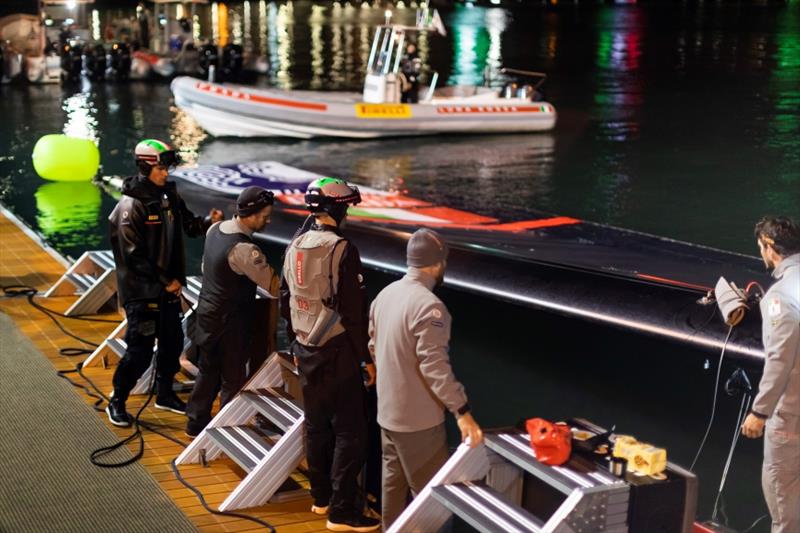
(147, 227)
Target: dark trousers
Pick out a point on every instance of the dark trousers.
(223, 354)
(149, 320)
(335, 428)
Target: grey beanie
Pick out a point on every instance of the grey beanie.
(425, 248)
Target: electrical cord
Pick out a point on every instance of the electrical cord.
(755, 523)
(743, 409)
(209, 509)
(714, 402)
(15, 291)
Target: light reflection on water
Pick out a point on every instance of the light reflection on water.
(679, 120)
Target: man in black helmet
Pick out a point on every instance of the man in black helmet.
(324, 303)
(147, 227)
(233, 265)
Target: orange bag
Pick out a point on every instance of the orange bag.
(551, 443)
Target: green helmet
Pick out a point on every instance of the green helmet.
(152, 152)
(331, 196)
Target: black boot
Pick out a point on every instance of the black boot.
(117, 414)
(359, 523)
(169, 401)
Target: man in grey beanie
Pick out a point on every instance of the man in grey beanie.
(409, 329)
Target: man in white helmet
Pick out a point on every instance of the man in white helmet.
(324, 303)
(147, 227)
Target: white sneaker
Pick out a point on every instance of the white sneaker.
(319, 510)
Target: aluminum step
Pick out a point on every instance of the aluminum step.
(485, 509)
(81, 281)
(276, 405)
(103, 258)
(516, 448)
(245, 445)
(118, 346)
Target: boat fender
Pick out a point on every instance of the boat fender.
(57, 157)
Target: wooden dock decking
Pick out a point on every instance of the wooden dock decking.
(24, 261)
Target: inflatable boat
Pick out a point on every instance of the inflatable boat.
(652, 285)
(389, 106)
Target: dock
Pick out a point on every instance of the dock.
(26, 260)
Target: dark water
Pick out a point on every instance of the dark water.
(681, 120)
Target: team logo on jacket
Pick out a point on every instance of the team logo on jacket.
(775, 307)
(298, 268)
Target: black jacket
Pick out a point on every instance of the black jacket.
(147, 238)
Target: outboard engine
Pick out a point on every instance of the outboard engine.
(209, 60)
(232, 62)
(119, 61)
(71, 62)
(94, 61)
(188, 61)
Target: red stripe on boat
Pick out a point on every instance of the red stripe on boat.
(536, 224)
(454, 215)
(506, 228)
(675, 282)
(239, 95)
(470, 109)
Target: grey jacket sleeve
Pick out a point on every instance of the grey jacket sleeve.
(432, 331)
(247, 259)
(782, 350)
(371, 331)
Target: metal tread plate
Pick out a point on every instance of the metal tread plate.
(485, 509)
(276, 405)
(243, 444)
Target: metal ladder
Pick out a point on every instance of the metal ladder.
(92, 277)
(483, 486)
(268, 463)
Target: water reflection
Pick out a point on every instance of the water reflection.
(81, 120)
(68, 213)
(186, 135)
(784, 125)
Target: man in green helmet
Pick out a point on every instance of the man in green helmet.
(324, 303)
(147, 227)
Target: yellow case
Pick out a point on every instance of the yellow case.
(642, 457)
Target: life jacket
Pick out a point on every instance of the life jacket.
(311, 270)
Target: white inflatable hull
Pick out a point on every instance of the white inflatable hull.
(238, 111)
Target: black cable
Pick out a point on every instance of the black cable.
(95, 456)
(26, 290)
(213, 511)
(754, 524)
(714, 402)
(15, 291)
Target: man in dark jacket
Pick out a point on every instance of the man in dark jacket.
(147, 228)
(233, 265)
(324, 303)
